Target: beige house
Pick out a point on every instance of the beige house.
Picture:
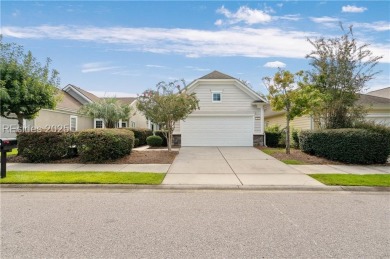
(377, 102)
(230, 114)
(66, 117)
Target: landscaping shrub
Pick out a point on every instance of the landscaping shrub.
(378, 128)
(161, 134)
(141, 134)
(295, 138)
(97, 145)
(44, 146)
(136, 142)
(356, 146)
(273, 136)
(154, 141)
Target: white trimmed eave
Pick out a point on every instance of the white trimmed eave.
(69, 86)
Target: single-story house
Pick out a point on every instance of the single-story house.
(230, 114)
(66, 116)
(377, 102)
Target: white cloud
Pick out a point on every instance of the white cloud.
(263, 42)
(218, 22)
(376, 26)
(246, 15)
(197, 68)
(280, 5)
(275, 64)
(289, 17)
(96, 67)
(324, 19)
(156, 66)
(16, 13)
(353, 9)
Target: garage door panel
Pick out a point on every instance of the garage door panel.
(217, 131)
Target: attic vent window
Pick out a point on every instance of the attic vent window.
(216, 97)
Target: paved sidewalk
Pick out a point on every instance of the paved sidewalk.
(232, 166)
(151, 168)
(341, 169)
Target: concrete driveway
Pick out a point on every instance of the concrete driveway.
(232, 166)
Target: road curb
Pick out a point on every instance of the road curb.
(60, 187)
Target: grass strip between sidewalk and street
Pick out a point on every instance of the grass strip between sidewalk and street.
(382, 180)
(45, 177)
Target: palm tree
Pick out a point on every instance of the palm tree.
(107, 109)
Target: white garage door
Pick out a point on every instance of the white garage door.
(217, 131)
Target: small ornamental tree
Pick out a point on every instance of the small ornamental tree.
(107, 109)
(26, 86)
(166, 105)
(291, 93)
(341, 69)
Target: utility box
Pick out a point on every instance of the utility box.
(6, 145)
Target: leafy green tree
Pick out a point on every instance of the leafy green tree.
(26, 86)
(291, 93)
(341, 69)
(110, 110)
(166, 105)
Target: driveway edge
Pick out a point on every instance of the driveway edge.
(60, 187)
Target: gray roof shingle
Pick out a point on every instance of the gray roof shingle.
(216, 75)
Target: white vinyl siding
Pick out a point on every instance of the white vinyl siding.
(217, 131)
(234, 100)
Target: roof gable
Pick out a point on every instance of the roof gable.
(217, 77)
(80, 94)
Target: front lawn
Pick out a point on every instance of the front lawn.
(14, 152)
(353, 179)
(44, 177)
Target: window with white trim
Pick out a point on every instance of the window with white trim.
(133, 124)
(98, 124)
(216, 97)
(73, 123)
(124, 124)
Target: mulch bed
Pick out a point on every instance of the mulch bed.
(297, 154)
(136, 157)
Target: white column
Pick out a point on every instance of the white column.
(262, 119)
(120, 123)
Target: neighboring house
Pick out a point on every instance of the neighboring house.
(377, 102)
(230, 114)
(66, 117)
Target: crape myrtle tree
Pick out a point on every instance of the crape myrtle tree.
(341, 69)
(110, 110)
(293, 94)
(26, 86)
(166, 105)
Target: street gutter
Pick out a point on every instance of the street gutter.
(62, 187)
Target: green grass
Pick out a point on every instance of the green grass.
(14, 152)
(293, 162)
(41, 177)
(270, 151)
(354, 179)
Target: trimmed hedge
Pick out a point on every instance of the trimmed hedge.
(161, 135)
(141, 134)
(98, 145)
(273, 136)
(355, 146)
(154, 141)
(44, 146)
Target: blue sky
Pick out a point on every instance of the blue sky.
(130, 46)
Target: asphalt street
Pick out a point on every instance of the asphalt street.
(193, 224)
